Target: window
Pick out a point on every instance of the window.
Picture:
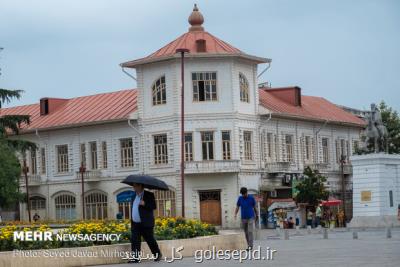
(188, 147)
(165, 201)
(289, 147)
(226, 145)
(340, 149)
(37, 203)
(43, 160)
(355, 146)
(308, 148)
(207, 145)
(204, 86)
(269, 145)
(244, 88)
(65, 207)
(248, 153)
(83, 155)
(104, 154)
(62, 159)
(126, 146)
(159, 92)
(390, 198)
(325, 150)
(160, 149)
(96, 206)
(33, 162)
(93, 155)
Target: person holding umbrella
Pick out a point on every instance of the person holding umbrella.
(143, 204)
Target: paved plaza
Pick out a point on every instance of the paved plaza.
(372, 248)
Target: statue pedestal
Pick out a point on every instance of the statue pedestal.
(376, 190)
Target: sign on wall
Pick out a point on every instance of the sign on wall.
(365, 196)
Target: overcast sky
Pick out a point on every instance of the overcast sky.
(346, 51)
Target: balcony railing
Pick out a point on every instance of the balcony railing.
(91, 175)
(321, 167)
(280, 167)
(211, 166)
(33, 179)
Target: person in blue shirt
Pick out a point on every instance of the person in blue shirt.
(143, 204)
(249, 215)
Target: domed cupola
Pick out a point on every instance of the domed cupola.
(196, 20)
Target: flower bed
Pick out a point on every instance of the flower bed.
(165, 228)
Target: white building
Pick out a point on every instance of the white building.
(237, 134)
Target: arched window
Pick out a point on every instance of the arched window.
(165, 201)
(65, 207)
(244, 88)
(37, 203)
(159, 92)
(96, 206)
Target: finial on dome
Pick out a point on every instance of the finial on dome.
(196, 20)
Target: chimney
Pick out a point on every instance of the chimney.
(49, 105)
(290, 95)
(201, 45)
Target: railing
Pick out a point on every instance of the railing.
(91, 175)
(33, 179)
(211, 166)
(318, 166)
(280, 167)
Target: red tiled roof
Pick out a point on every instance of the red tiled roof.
(312, 107)
(188, 40)
(116, 106)
(214, 46)
(84, 110)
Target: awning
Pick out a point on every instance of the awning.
(282, 205)
(125, 196)
(331, 202)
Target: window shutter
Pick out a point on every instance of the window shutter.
(320, 151)
(283, 148)
(302, 148)
(348, 151)
(312, 152)
(337, 145)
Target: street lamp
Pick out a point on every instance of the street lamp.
(182, 51)
(82, 171)
(342, 162)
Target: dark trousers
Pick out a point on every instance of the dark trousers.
(137, 231)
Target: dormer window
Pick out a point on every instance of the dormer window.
(44, 106)
(204, 86)
(201, 45)
(159, 92)
(244, 88)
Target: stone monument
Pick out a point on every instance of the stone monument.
(376, 179)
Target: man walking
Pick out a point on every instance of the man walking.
(248, 213)
(142, 222)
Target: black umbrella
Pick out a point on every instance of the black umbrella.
(147, 180)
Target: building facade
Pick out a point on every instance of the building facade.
(236, 134)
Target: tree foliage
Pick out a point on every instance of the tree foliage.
(10, 171)
(391, 120)
(311, 190)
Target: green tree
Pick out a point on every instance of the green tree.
(10, 171)
(311, 190)
(391, 120)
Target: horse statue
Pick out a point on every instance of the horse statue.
(376, 130)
